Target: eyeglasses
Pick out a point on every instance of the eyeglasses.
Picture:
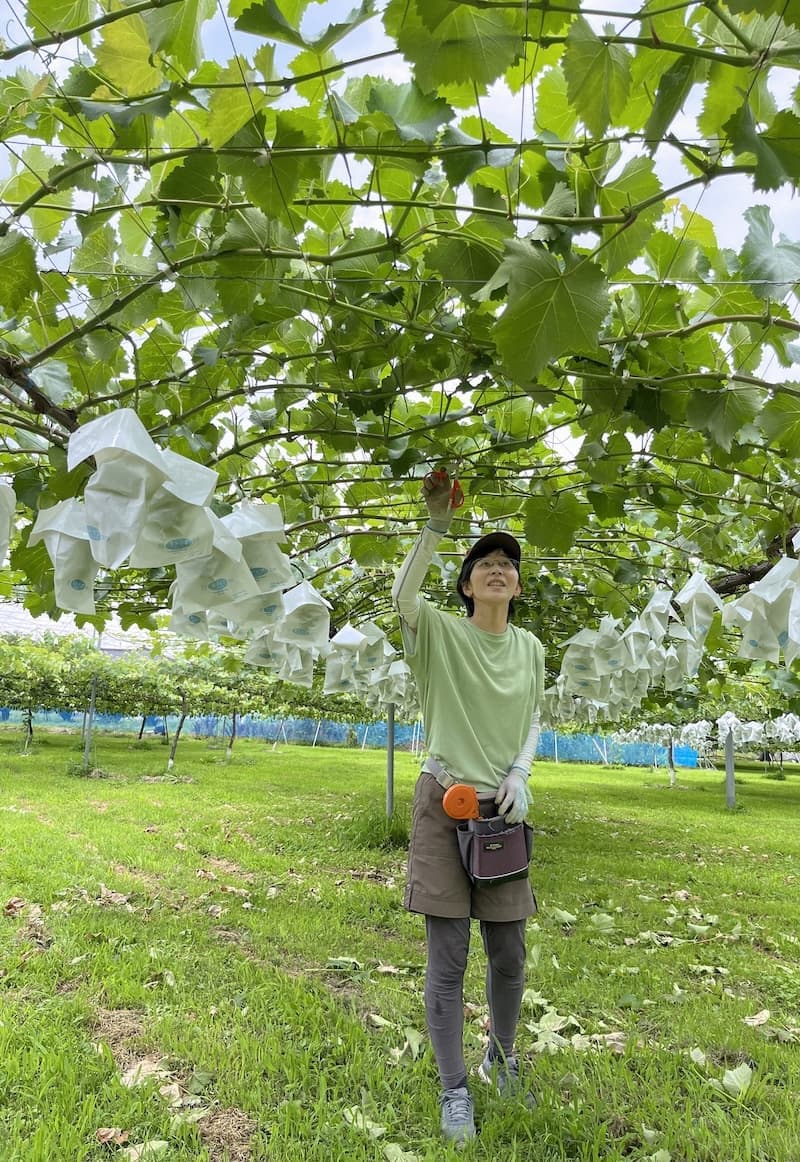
(495, 563)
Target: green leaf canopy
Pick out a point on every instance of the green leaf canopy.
(323, 252)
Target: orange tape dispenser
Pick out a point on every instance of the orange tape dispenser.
(461, 802)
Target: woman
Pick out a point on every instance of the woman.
(480, 681)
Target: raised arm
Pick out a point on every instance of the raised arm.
(437, 493)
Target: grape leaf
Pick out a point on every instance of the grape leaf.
(551, 309)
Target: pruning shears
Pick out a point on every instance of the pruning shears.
(440, 476)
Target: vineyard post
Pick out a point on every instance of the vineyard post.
(89, 720)
(390, 760)
(730, 780)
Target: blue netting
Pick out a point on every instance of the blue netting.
(571, 748)
(596, 748)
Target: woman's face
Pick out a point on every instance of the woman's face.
(493, 578)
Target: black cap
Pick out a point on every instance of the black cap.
(482, 547)
(503, 541)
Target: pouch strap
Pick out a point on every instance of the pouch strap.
(432, 766)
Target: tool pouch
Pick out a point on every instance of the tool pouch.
(492, 851)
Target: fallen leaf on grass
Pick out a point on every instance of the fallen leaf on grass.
(34, 929)
(111, 1136)
(144, 1070)
(535, 999)
(343, 963)
(735, 1082)
(144, 1151)
(533, 957)
(199, 1081)
(15, 906)
(394, 1153)
(779, 1033)
(164, 977)
(549, 1035)
(616, 1042)
(602, 922)
(411, 1049)
(171, 1093)
(632, 1002)
(660, 939)
(759, 1018)
(188, 1117)
(356, 1117)
(111, 899)
(562, 917)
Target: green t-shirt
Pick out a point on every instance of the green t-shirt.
(478, 692)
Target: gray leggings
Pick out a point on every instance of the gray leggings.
(448, 945)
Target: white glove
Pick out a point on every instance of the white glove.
(436, 492)
(513, 797)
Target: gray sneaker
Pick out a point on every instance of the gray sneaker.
(458, 1124)
(502, 1073)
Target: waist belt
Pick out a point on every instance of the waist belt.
(432, 766)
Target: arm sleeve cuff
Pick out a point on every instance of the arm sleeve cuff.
(524, 759)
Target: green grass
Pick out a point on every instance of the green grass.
(245, 928)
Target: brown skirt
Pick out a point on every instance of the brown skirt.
(437, 884)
